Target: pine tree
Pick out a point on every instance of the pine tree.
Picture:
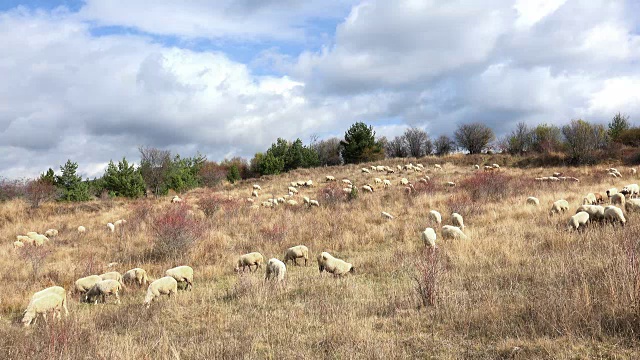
(71, 184)
(123, 180)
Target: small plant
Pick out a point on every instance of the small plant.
(36, 256)
(175, 231)
(353, 195)
(40, 191)
(428, 276)
(332, 193)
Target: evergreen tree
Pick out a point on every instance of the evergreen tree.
(360, 145)
(123, 180)
(618, 124)
(71, 184)
(233, 174)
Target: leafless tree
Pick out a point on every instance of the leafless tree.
(474, 137)
(154, 166)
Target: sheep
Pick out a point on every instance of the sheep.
(267, 204)
(38, 239)
(83, 285)
(614, 214)
(163, 286)
(47, 303)
(51, 233)
(559, 206)
(249, 200)
(611, 192)
(457, 220)
(347, 181)
(596, 212)
(329, 178)
(367, 188)
(293, 184)
(254, 193)
(590, 199)
(137, 276)
(347, 190)
(632, 190)
(365, 170)
(182, 273)
(453, 232)
(314, 203)
(557, 174)
(389, 170)
(300, 183)
(437, 167)
(102, 289)
(276, 270)
(308, 183)
(120, 222)
(377, 181)
(435, 217)
(111, 227)
(381, 168)
(495, 166)
(292, 202)
(176, 199)
(386, 215)
(335, 266)
(111, 275)
(450, 184)
(476, 167)
(488, 168)
(246, 260)
(30, 234)
(579, 220)
(256, 187)
(633, 171)
(386, 183)
(404, 181)
(296, 252)
(429, 237)
(82, 229)
(632, 205)
(293, 190)
(18, 244)
(533, 201)
(618, 199)
(56, 290)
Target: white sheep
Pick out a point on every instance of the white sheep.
(267, 204)
(120, 222)
(56, 290)
(256, 187)
(292, 202)
(111, 227)
(254, 193)
(614, 214)
(450, 184)
(618, 199)
(314, 203)
(632, 190)
(559, 206)
(301, 183)
(83, 285)
(476, 167)
(176, 199)
(293, 190)
(247, 260)
(48, 303)
(632, 205)
(456, 220)
(367, 188)
(453, 232)
(18, 244)
(329, 178)
(276, 270)
(347, 181)
(404, 181)
(102, 289)
(308, 183)
(296, 252)
(596, 212)
(495, 166)
(437, 167)
(590, 199)
(164, 286)
(386, 215)
(435, 217)
(632, 171)
(51, 233)
(386, 183)
(611, 192)
(38, 239)
(182, 274)
(533, 201)
(365, 170)
(82, 229)
(112, 275)
(377, 181)
(135, 276)
(335, 266)
(579, 220)
(429, 237)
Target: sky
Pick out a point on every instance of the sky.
(92, 80)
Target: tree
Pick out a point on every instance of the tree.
(183, 173)
(328, 152)
(360, 145)
(154, 167)
(233, 174)
(630, 137)
(444, 145)
(123, 180)
(212, 174)
(618, 124)
(48, 176)
(582, 138)
(417, 142)
(71, 184)
(546, 138)
(268, 164)
(519, 140)
(396, 148)
(474, 137)
(39, 191)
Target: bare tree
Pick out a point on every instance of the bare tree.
(519, 141)
(328, 151)
(396, 148)
(582, 138)
(474, 137)
(417, 142)
(154, 166)
(444, 145)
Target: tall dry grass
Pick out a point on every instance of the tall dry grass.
(522, 287)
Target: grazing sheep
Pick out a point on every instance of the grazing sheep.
(386, 215)
(453, 232)
(300, 183)
(457, 220)
(596, 212)
(56, 290)
(404, 181)
(111, 227)
(176, 199)
(450, 184)
(377, 181)
(308, 183)
(276, 270)
(618, 199)
(48, 303)
(476, 167)
(437, 167)
(347, 190)
(296, 252)
(435, 216)
(590, 199)
(293, 184)
(256, 187)
(102, 289)
(111, 275)
(367, 188)
(38, 239)
(267, 204)
(495, 166)
(429, 237)
(163, 286)
(329, 178)
(557, 174)
(293, 190)
(533, 201)
(51, 233)
(18, 244)
(292, 202)
(83, 285)
(347, 181)
(386, 183)
(135, 276)
(559, 206)
(632, 190)
(182, 273)
(633, 171)
(579, 220)
(254, 193)
(365, 170)
(632, 205)
(335, 266)
(614, 214)
(82, 229)
(488, 168)
(314, 203)
(246, 260)
(611, 192)
(120, 222)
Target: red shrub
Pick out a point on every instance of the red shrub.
(175, 231)
(488, 186)
(275, 233)
(428, 276)
(211, 204)
(332, 193)
(39, 191)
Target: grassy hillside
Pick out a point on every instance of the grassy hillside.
(523, 286)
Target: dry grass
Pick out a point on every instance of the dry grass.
(522, 287)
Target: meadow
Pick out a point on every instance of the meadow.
(523, 286)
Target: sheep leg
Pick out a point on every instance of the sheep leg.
(117, 298)
(305, 262)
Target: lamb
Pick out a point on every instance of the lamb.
(111, 275)
(18, 244)
(590, 199)
(296, 252)
(429, 237)
(435, 217)
(135, 276)
(533, 201)
(335, 266)
(276, 270)
(83, 285)
(632, 190)
(457, 220)
(56, 290)
(614, 214)
(111, 227)
(329, 178)
(48, 303)
(386, 215)
(618, 199)
(559, 206)
(102, 289)
(367, 188)
(386, 183)
(82, 229)
(51, 233)
(256, 187)
(314, 203)
(176, 199)
(163, 286)
(632, 205)
(579, 220)
(246, 260)
(453, 232)
(596, 212)
(182, 273)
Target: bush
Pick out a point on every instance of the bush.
(39, 191)
(487, 186)
(332, 193)
(175, 231)
(212, 204)
(234, 174)
(428, 276)
(11, 189)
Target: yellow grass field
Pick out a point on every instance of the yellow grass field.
(523, 286)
